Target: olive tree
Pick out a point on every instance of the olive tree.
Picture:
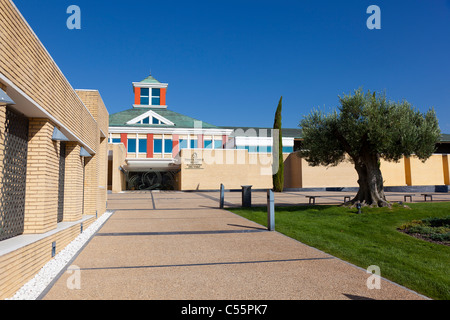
(365, 128)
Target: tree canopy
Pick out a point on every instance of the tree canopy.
(365, 128)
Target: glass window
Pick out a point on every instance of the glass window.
(156, 97)
(116, 140)
(145, 96)
(208, 144)
(288, 149)
(143, 145)
(131, 145)
(183, 144)
(252, 149)
(157, 145)
(155, 121)
(167, 145)
(240, 147)
(145, 101)
(264, 149)
(146, 120)
(217, 144)
(194, 144)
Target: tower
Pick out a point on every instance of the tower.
(150, 93)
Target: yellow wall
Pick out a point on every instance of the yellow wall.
(393, 173)
(429, 173)
(233, 168)
(118, 159)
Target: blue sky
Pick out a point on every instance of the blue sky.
(228, 62)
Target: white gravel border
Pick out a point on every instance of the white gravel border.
(34, 288)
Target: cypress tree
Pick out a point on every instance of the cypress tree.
(278, 177)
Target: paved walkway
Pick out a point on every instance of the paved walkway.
(174, 245)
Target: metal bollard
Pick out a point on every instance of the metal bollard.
(270, 210)
(247, 196)
(222, 195)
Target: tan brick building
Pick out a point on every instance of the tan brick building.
(53, 154)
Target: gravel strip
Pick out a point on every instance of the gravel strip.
(33, 288)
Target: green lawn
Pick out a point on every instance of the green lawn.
(370, 238)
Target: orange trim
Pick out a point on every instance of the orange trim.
(150, 145)
(124, 139)
(163, 96)
(175, 145)
(137, 95)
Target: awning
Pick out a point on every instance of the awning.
(5, 99)
(58, 135)
(84, 153)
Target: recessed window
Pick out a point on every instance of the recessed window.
(167, 145)
(208, 144)
(217, 144)
(131, 145)
(288, 149)
(156, 97)
(143, 145)
(157, 146)
(194, 144)
(183, 144)
(145, 96)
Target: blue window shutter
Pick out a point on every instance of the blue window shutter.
(157, 146)
(167, 145)
(143, 145)
(131, 145)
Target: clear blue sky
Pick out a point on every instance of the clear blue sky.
(228, 62)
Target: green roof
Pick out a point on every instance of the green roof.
(120, 119)
(150, 79)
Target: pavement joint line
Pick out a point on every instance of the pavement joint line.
(169, 233)
(207, 264)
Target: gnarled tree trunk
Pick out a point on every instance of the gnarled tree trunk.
(370, 180)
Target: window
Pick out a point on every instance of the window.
(157, 146)
(217, 144)
(156, 97)
(143, 145)
(167, 145)
(265, 149)
(288, 149)
(156, 121)
(194, 144)
(116, 140)
(183, 144)
(145, 96)
(208, 144)
(131, 145)
(146, 120)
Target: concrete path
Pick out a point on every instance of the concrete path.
(175, 245)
